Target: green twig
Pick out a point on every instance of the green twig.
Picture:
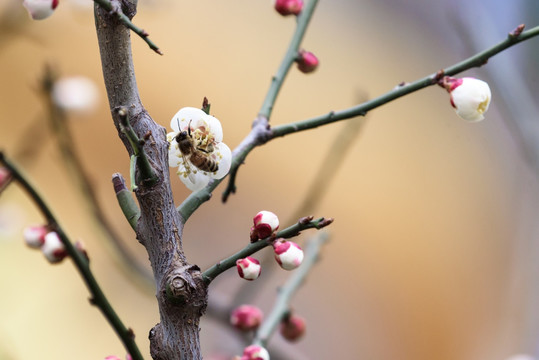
(81, 263)
(303, 20)
(107, 5)
(125, 200)
(282, 304)
(477, 60)
(294, 230)
(140, 160)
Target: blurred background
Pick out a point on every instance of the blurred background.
(433, 250)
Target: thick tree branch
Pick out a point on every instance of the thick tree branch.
(181, 293)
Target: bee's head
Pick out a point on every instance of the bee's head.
(182, 135)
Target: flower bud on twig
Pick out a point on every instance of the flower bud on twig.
(288, 254)
(307, 61)
(255, 352)
(248, 268)
(34, 236)
(53, 249)
(265, 223)
(469, 96)
(289, 7)
(292, 327)
(246, 317)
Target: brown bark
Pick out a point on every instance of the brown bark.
(181, 293)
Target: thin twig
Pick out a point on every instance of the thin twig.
(81, 263)
(282, 303)
(251, 141)
(294, 230)
(125, 200)
(107, 5)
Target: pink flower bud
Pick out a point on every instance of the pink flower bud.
(34, 236)
(53, 249)
(246, 317)
(255, 352)
(112, 357)
(288, 254)
(307, 61)
(248, 268)
(40, 9)
(292, 327)
(469, 96)
(265, 223)
(289, 7)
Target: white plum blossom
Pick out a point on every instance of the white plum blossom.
(206, 134)
(34, 236)
(76, 94)
(40, 9)
(469, 96)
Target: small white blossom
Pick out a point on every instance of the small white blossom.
(40, 9)
(208, 151)
(469, 96)
(34, 236)
(76, 93)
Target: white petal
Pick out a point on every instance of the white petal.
(180, 121)
(471, 99)
(193, 178)
(224, 160)
(215, 128)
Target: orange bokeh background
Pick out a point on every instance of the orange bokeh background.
(431, 252)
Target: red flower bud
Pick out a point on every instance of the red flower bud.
(292, 327)
(307, 61)
(289, 7)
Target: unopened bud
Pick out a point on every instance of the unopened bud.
(469, 96)
(289, 7)
(288, 254)
(40, 9)
(307, 61)
(255, 352)
(34, 236)
(53, 249)
(292, 327)
(265, 223)
(248, 268)
(246, 317)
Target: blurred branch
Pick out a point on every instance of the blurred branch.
(60, 126)
(294, 230)
(81, 263)
(114, 6)
(303, 20)
(282, 303)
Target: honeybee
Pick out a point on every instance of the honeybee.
(198, 156)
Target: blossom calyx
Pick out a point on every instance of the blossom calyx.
(307, 61)
(196, 148)
(288, 7)
(264, 224)
(40, 9)
(246, 317)
(288, 254)
(53, 248)
(469, 96)
(34, 236)
(292, 327)
(255, 352)
(248, 268)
